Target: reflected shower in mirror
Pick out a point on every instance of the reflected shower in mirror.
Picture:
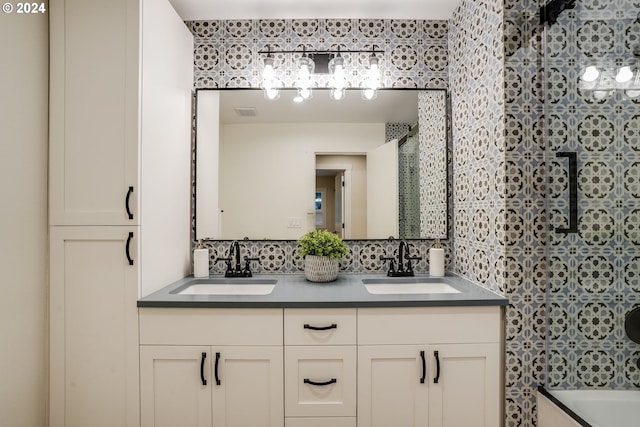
(363, 169)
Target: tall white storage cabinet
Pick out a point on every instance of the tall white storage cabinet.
(120, 120)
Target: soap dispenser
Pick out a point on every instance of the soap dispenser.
(436, 260)
(201, 260)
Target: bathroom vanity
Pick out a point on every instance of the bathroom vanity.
(313, 355)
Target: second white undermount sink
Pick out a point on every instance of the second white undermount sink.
(228, 287)
(407, 286)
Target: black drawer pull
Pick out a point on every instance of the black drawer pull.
(424, 368)
(320, 328)
(126, 203)
(216, 369)
(331, 381)
(128, 249)
(202, 378)
(437, 378)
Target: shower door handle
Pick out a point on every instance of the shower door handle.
(573, 192)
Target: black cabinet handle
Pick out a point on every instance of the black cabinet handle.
(320, 328)
(573, 193)
(437, 378)
(128, 248)
(216, 369)
(331, 381)
(424, 368)
(202, 378)
(126, 203)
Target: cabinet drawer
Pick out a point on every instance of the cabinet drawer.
(320, 422)
(320, 381)
(424, 325)
(210, 326)
(323, 326)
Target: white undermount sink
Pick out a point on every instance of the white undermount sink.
(228, 287)
(397, 286)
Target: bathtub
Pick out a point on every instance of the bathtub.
(590, 408)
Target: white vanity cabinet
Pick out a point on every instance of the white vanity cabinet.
(320, 367)
(93, 327)
(121, 75)
(211, 367)
(435, 367)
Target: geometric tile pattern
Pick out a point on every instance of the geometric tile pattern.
(526, 224)
(409, 199)
(280, 256)
(226, 52)
(593, 273)
(432, 164)
(476, 73)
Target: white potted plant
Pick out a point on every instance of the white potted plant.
(322, 251)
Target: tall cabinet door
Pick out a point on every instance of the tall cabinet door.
(390, 391)
(175, 386)
(94, 112)
(94, 327)
(467, 392)
(248, 374)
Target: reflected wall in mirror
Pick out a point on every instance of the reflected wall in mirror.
(363, 169)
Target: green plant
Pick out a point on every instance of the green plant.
(322, 243)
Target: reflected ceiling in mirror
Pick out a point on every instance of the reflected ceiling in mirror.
(274, 169)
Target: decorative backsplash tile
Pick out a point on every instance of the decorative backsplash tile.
(226, 52)
(280, 256)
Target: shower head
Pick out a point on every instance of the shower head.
(549, 13)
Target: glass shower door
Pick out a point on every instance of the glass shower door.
(592, 110)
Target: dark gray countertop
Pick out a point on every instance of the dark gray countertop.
(293, 290)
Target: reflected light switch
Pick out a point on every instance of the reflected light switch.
(294, 223)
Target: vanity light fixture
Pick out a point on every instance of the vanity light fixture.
(372, 80)
(338, 77)
(313, 63)
(269, 84)
(602, 82)
(304, 83)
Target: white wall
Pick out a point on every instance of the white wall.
(23, 218)
(207, 152)
(275, 163)
(166, 146)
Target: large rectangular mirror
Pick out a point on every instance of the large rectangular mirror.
(363, 169)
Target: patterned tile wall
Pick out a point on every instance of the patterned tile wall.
(409, 189)
(280, 256)
(225, 56)
(476, 70)
(433, 165)
(525, 226)
(593, 273)
(226, 52)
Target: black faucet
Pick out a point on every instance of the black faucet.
(403, 254)
(237, 270)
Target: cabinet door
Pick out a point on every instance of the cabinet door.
(93, 112)
(93, 327)
(390, 392)
(467, 392)
(251, 386)
(172, 390)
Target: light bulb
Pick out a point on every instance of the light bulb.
(337, 94)
(624, 74)
(271, 93)
(369, 94)
(305, 93)
(599, 95)
(590, 74)
(632, 93)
